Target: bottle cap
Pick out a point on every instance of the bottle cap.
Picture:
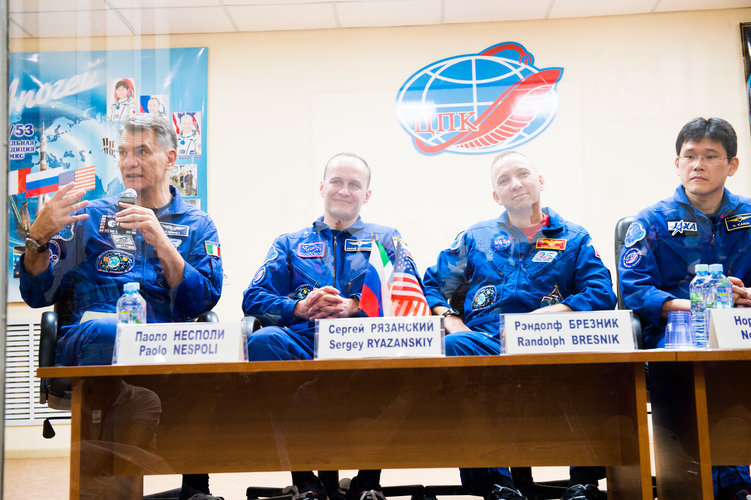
(131, 287)
(715, 268)
(701, 268)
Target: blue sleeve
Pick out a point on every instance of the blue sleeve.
(267, 297)
(592, 282)
(201, 287)
(640, 275)
(448, 274)
(34, 289)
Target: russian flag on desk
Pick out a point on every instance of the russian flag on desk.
(375, 299)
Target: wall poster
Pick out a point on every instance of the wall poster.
(64, 112)
(746, 41)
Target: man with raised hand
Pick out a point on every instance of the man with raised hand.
(527, 260)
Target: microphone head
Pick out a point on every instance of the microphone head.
(128, 196)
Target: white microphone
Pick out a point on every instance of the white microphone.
(128, 196)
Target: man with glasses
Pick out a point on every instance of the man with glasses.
(702, 222)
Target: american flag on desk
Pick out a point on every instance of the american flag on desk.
(407, 298)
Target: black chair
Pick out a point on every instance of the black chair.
(56, 392)
(621, 228)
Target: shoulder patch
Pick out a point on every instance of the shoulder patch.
(260, 274)
(631, 258)
(311, 250)
(213, 248)
(635, 233)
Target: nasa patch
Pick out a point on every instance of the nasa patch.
(260, 274)
(634, 234)
(311, 250)
(502, 242)
(631, 258)
(483, 297)
(545, 256)
(682, 227)
(302, 291)
(114, 262)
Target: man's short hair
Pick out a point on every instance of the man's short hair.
(716, 129)
(165, 137)
(348, 156)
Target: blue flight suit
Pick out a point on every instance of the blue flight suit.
(87, 262)
(297, 263)
(661, 248)
(503, 272)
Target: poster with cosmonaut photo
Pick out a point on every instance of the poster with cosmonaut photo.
(64, 111)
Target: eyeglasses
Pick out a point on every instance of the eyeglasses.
(710, 160)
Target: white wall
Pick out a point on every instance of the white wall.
(281, 103)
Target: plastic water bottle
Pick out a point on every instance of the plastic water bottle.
(698, 289)
(721, 288)
(131, 306)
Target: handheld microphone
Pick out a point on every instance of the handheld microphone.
(128, 196)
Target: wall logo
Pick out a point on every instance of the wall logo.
(478, 103)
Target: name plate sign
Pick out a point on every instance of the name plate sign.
(590, 331)
(173, 343)
(389, 337)
(730, 328)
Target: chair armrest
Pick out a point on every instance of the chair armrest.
(48, 338)
(208, 317)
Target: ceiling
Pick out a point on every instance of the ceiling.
(85, 18)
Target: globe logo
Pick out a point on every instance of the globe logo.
(478, 103)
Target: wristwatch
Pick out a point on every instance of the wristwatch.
(450, 312)
(33, 246)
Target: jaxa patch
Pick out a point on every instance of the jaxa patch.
(545, 256)
(552, 298)
(483, 297)
(635, 233)
(682, 227)
(631, 258)
(311, 250)
(260, 274)
(502, 242)
(114, 262)
(301, 292)
(551, 244)
(740, 221)
(175, 229)
(355, 245)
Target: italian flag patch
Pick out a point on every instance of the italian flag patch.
(213, 248)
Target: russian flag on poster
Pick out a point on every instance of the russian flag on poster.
(375, 299)
(17, 181)
(43, 182)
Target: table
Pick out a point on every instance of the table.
(512, 410)
(701, 416)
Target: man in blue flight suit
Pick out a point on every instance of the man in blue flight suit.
(702, 222)
(318, 273)
(528, 260)
(90, 249)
